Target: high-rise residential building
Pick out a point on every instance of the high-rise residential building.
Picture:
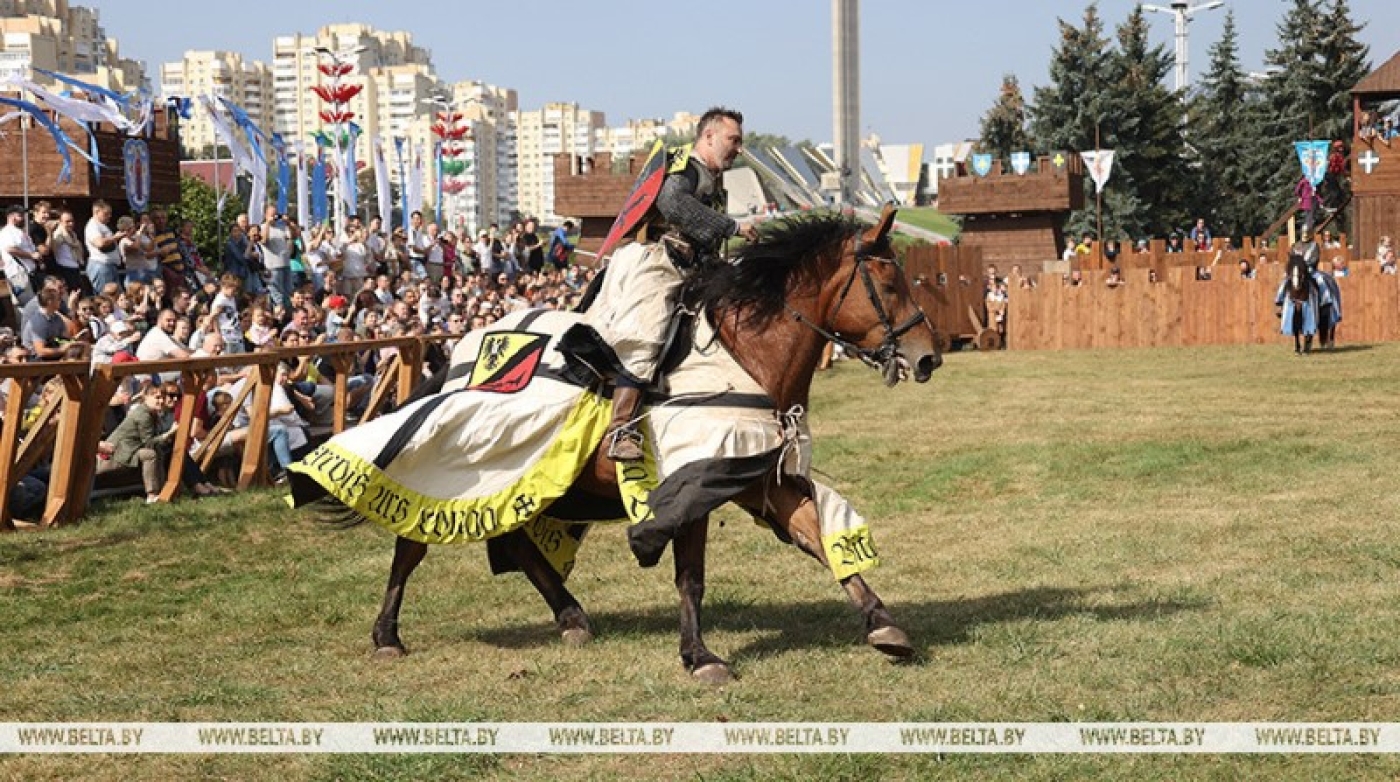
(225, 74)
(640, 134)
(54, 36)
(540, 135)
(395, 77)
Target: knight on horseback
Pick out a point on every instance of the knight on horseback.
(679, 223)
(1304, 296)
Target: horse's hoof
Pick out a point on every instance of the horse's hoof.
(892, 641)
(389, 653)
(713, 674)
(576, 636)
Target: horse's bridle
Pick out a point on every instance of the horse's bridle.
(885, 357)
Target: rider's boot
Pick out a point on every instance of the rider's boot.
(624, 439)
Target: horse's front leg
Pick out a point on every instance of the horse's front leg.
(793, 512)
(689, 551)
(407, 555)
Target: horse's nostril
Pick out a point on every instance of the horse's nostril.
(925, 366)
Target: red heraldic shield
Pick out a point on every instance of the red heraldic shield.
(644, 193)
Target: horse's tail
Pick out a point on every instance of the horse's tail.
(333, 513)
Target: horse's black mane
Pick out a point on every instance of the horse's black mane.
(762, 272)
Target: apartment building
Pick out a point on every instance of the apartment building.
(247, 83)
(540, 135)
(54, 36)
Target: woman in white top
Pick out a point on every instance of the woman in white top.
(354, 261)
(138, 256)
(317, 256)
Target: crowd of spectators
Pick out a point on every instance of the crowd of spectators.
(142, 292)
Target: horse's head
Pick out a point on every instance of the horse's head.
(884, 324)
(1299, 279)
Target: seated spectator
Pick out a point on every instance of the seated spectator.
(141, 440)
(1142, 248)
(1174, 243)
(1246, 271)
(45, 331)
(1340, 267)
(1200, 235)
(1074, 279)
(120, 339)
(1385, 253)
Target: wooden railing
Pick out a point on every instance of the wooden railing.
(69, 424)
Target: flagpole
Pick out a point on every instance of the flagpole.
(1098, 201)
(24, 155)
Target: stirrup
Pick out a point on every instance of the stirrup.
(625, 445)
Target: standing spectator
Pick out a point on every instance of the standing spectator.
(354, 257)
(41, 234)
(277, 238)
(20, 256)
(377, 246)
(559, 246)
(137, 251)
(103, 255)
(68, 252)
(198, 272)
(173, 268)
(236, 255)
(434, 254)
(1200, 235)
(418, 243)
(531, 247)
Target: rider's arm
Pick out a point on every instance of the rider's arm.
(678, 204)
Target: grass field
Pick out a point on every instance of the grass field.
(1192, 535)
(930, 219)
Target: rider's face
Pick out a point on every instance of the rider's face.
(725, 138)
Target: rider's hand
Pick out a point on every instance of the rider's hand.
(749, 232)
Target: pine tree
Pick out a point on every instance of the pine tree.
(1290, 92)
(1004, 125)
(1066, 110)
(1142, 121)
(1223, 114)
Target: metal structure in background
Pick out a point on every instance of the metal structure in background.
(845, 85)
(1183, 11)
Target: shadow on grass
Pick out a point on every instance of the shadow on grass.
(833, 624)
(55, 547)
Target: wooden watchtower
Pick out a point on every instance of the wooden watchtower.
(1375, 164)
(1016, 218)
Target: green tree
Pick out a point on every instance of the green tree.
(1142, 122)
(1004, 125)
(1224, 113)
(199, 203)
(1290, 93)
(1066, 110)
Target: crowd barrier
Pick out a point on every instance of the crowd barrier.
(69, 424)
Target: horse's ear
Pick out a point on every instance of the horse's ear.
(881, 229)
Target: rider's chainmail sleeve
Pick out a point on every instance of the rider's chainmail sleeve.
(680, 203)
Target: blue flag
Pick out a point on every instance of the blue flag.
(318, 191)
(1312, 155)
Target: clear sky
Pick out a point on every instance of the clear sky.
(929, 68)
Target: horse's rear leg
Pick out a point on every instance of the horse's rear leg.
(569, 616)
(793, 512)
(689, 550)
(407, 555)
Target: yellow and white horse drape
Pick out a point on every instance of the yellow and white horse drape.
(510, 433)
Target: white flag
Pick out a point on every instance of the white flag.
(1099, 162)
(381, 180)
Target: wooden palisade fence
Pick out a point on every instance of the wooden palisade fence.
(69, 425)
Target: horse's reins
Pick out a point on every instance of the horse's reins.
(885, 357)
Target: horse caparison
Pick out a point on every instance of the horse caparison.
(806, 280)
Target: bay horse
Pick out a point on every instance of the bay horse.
(804, 282)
